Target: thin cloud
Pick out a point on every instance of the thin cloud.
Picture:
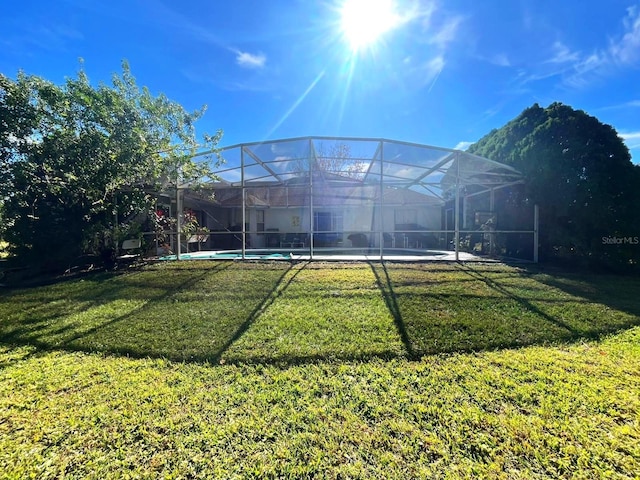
(250, 60)
(422, 11)
(438, 27)
(627, 49)
(52, 38)
(563, 54)
(463, 145)
(439, 30)
(500, 60)
(423, 73)
(632, 139)
(447, 33)
(432, 70)
(621, 52)
(245, 87)
(632, 103)
(167, 16)
(420, 73)
(621, 106)
(579, 70)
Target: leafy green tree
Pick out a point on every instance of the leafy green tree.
(579, 172)
(74, 155)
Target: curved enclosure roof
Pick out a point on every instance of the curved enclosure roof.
(427, 170)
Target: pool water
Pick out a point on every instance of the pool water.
(290, 254)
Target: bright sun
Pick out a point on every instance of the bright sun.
(363, 22)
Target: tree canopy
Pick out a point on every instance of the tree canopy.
(335, 159)
(579, 171)
(73, 154)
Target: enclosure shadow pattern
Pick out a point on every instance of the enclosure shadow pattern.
(209, 312)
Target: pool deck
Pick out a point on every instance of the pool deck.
(327, 256)
(417, 257)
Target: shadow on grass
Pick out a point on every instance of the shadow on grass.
(268, 300)
(620, 292)
(527, 304)
(112, 295)
(201, 311)
(386, 287)
(177, 313)
(42, 316)
(502, 307)
(615, 294)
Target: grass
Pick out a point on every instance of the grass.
(240, 370)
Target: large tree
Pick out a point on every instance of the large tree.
(579, 171)
(71, 154)
(335, 159)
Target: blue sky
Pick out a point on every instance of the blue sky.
(442, 73)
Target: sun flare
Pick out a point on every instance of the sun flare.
(363, 22)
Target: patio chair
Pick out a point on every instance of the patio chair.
(359, 240)
(292, 240)
(132, 249)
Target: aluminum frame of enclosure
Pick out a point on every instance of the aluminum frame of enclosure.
(328, 189)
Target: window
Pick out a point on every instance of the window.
(406, 218)
(327, 221)
(260, 221)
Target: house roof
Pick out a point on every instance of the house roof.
(324, 194)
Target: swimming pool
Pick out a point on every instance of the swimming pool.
(318, 253)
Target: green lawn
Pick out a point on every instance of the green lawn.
(271, 370)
